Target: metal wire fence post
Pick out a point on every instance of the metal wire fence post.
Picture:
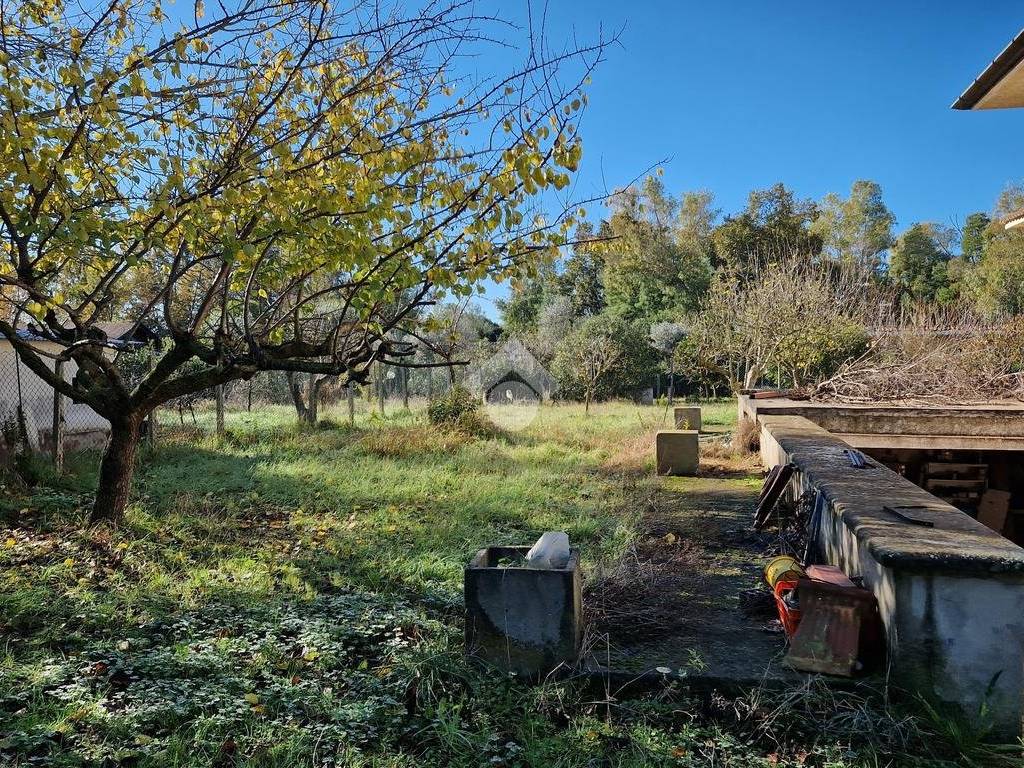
(151, 432)
(57, 432)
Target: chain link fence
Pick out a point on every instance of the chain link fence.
(31, 412)
(388, 388)
(34, 418)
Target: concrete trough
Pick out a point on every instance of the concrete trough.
(527, 621)
(677, 451)
(951, 595)
(688, 417)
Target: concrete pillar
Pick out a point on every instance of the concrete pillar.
(677, 451)
(688, 417)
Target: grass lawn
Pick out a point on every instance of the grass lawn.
(292, 597)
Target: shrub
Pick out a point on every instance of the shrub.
(456, 407)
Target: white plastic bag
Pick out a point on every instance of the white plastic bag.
(550, 551)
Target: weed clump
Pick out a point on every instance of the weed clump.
(746, 438)
(459, 409)
(454, 406)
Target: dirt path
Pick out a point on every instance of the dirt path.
(686, 597)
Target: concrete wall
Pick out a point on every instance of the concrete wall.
(951, 597)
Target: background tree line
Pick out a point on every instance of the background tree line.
(783, 292)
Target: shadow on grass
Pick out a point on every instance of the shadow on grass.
(266, 514)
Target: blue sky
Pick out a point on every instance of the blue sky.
(741, 94)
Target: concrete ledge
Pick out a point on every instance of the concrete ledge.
(677, 451)
(932, 442)
(957, 542)
(1000, 420)
(951, 597)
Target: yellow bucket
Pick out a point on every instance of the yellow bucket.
(782, 567)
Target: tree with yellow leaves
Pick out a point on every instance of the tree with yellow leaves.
(278, 185)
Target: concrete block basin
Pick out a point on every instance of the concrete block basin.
(526, 621)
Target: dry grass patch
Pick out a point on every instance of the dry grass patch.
(746, 437)
(719, 457)
(633, 454)
(412, 441)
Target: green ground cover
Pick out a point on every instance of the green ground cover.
(292, 597)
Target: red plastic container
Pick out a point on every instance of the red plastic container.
(790, 617)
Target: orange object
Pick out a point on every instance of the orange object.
(788, 615)
(784, 575)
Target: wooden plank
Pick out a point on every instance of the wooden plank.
(945, 466)
(951, 482)
(993, 509)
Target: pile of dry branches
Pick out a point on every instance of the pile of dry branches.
(934, 357)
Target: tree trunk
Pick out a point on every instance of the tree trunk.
(219, 390)
(296, 391)
(351, 396)
(151, 426)
(312, 395)
(405, 388)
(586, 403)
(752, 377)
(116, 470)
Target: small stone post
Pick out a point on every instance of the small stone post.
(687, 417)
(677, 452)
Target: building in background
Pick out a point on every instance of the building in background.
(27, 401)
(1000, 86)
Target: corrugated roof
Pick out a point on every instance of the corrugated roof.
(116, 334)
